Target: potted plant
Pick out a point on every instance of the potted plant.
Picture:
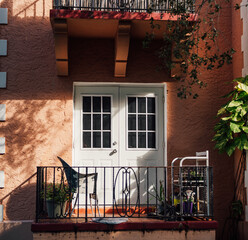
(188, 202)
(196, 176)
(159, 195)
(56, 196)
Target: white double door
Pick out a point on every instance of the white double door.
(118, 126)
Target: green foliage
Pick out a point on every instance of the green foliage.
(57, 192)
(158, 193)
(237, 209)
(191, 43)
(232, 129)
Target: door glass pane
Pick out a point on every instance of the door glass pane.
(96, 121)
(142, 122)
(131, 140)
(96, 104)
(86, 139)
(86, 104)
(106, 140)
(86, 121)
(96, 139)
(142, 140)
(132, 122)
(141, 104)
(106, 122)
(106, 104)
(151, 122)
(151, 140)
(131, 104)
(151, 105)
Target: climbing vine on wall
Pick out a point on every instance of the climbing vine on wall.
(191, 42)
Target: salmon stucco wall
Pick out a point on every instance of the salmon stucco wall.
(39, 105)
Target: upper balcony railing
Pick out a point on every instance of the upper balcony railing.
(127, 5)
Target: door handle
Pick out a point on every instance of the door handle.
(113, 152)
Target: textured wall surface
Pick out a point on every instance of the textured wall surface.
(39, 105)
(13, 230)
(136, 235)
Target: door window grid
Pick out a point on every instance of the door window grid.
(96, 121)
(141, 122)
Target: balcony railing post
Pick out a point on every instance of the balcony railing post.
(211, 191)
(37, 194)
(138, 191)
(104, 190)
(180, 190)
(86, 196)
(208, 193)
(113, 201)
(165, 183)
(147, 190)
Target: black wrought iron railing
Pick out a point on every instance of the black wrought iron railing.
(127, 5)
(131, 192)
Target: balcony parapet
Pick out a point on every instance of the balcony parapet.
(103, 15)
(126, 5)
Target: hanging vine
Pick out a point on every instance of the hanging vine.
(191, 41)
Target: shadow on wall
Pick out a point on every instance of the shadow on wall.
(16, 230)
(35, 133)
(25, 132)
(92, 60)
(21, 200)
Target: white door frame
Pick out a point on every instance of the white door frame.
(143, 85)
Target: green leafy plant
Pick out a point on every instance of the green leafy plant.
(158, 193)
(237, 209)
(56, 192)
(194, 175)
(232, 129)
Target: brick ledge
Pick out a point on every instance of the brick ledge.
(127, 226)
(68, 13)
